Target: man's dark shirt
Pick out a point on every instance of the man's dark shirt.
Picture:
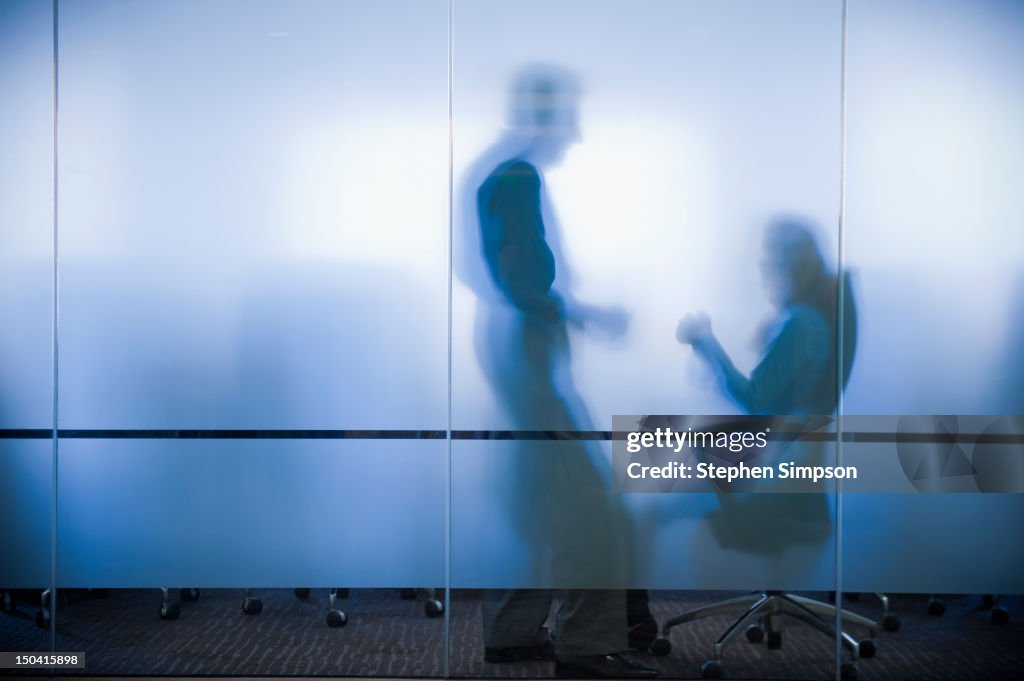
(512, 231)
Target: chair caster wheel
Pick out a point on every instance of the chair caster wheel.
(866, 648)
(42, 618)
(1000, 616)
(848, 671)
(252, 606)
(891, 623)
(169, 611)
(407, 594)
(755, 634)
(711, 669)
(188, 595)
(302, 594)
(434, 608)
(936, 608)
(988, 600)
(336, 618)
(661, 647)
(774, 640)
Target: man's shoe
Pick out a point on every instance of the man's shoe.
(541, 651)
(601, 667)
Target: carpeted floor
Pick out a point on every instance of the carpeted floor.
(390, 637)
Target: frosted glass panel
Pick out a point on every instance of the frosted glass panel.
(705, 122)
(258, 513)
(601, 195)
(26, 308)
(974, 537)
(234, 249)
(669, 541)
(26, 214)
(934, 232)
(25, 481)
(933, 212)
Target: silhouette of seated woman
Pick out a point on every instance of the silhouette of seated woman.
(796, 376)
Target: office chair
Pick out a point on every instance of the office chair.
(336, 617)
(9, 603)
(890, 622)
(762, 612)
(433, 607)
(251, 605)
(808, 521)
(169, 610)
(999, 615)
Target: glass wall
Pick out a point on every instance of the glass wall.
(253, 295)
(326, 321)
(933, 234)
(27, 308)
(654, 147)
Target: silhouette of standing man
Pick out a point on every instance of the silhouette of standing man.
(561, 507)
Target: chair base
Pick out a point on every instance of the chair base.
(762, 613)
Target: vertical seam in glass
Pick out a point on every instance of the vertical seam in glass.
(448, 435)
(53, 461)
(840, 344)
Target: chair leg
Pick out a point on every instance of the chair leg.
(251, 605)
(336, 617)
(722, 607)
(802, 613)
(829, 610)
(885, 603)
(764, 604)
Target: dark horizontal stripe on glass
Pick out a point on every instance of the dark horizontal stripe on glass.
(551, 435)
(26, 433)
(248, 434)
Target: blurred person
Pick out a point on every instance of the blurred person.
(797, 372)
(797, 376)
(559, 492)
